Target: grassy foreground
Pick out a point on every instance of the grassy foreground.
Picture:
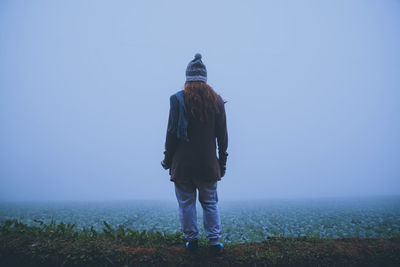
(62, 245)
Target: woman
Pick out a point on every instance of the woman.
(196, 120)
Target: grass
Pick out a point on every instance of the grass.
(62, 245)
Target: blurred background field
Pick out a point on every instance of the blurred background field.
(242, 221)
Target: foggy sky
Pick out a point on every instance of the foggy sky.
(313, 91)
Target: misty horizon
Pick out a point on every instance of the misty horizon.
(312, 93)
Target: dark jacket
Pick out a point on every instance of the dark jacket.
(197, 158)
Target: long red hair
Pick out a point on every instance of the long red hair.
(201, 100)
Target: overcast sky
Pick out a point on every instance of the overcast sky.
(313, 91)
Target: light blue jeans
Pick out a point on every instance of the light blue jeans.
(208, 198)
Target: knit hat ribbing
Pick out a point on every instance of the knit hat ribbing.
(196, 70)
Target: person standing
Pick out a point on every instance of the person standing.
(196, 124)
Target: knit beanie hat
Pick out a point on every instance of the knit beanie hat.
(196, 70)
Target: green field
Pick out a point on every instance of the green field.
(242, 221)
(60, 245)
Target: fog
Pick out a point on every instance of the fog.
(312, 91)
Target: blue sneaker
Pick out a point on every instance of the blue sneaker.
(216, 249)
(192, 246)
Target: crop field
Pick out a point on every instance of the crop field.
(241, 221)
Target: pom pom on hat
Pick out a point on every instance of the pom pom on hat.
(197, 56)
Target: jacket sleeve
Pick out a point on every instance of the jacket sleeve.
(222, 134)
(171, 142)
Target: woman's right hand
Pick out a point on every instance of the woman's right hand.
(164, 165)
